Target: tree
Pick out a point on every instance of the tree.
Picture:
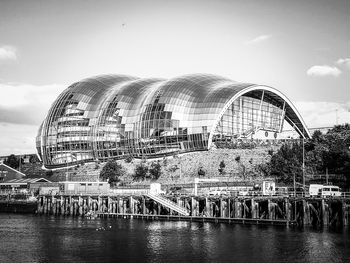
(201, 172)
(112, 172)
(222, 166)
(12, 161)
(141, 172)
(329, 151)
(155, 171)
(287, 162)
(129, 159)
(34, 159)
(241, 165)
(263, 169)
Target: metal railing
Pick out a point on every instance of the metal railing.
(170, 204)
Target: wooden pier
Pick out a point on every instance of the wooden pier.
(301, 211)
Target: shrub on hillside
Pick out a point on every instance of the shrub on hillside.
(129, 159)
(141, 172)
(112, 172)
(222, 166)
(201, 172)
(155, 171)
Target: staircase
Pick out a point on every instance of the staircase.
(169, 204)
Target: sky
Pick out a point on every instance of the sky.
(300, 47)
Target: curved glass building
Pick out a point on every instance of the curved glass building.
(115, 116)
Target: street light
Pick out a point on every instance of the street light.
(66, 170)
(303, 159)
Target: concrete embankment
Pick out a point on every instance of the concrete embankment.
(242, 209)
(18, 206)
(302, 211)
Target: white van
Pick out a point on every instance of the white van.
(330, 190)
(314, 189)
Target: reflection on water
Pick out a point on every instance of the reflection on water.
(28, 238)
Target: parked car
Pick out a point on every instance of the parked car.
(330, 190)
(215, 192)
(176, 190)
(218, 193)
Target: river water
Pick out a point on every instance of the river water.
(31, 238)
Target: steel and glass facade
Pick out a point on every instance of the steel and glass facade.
(115, 116)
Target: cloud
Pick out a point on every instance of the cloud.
(258, 39)
(22, 109)
(8, 53)
(323, 113)
(322, 71)
(26, 104)
(344, 61)
(17, 139)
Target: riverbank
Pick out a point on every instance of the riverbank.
(18, 206)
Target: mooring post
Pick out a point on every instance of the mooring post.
(238, 209)
(99, 204)
(192, 206)
(324, 211)
(71, 205)
(62, 205)
(207, 207)
(58, 206)
(38, 205)
(53, 205)
(89, 203)
(306, 213)
(67, 206)
(46, 205)
(225, 209)
(253, 208)
(80, 206)
(109, 204)
(269, 208)
(229, 207)
(125, 206)
(345, 215)
(221, 208)
(143, 205)
(117, 210)
(50, 205)
(131, 203)
(76, 207)
(118, 205)
(287, 209)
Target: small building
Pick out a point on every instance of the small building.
(69, 187)
(23, 185)
(8, 173)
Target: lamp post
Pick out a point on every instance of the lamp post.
(66, 170)
(294, 184)
(303, 165)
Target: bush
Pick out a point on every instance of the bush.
(141, 172)
(155, 170)
(129, 159)
(112, 172)
(201, 172)
(222, 166)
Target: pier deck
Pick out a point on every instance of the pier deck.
(242, 209)
(248, 221)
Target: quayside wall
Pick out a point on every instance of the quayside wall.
(18, 206)
(300, 211)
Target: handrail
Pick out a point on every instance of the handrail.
(170, 204)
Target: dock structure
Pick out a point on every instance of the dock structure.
(242, 209)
